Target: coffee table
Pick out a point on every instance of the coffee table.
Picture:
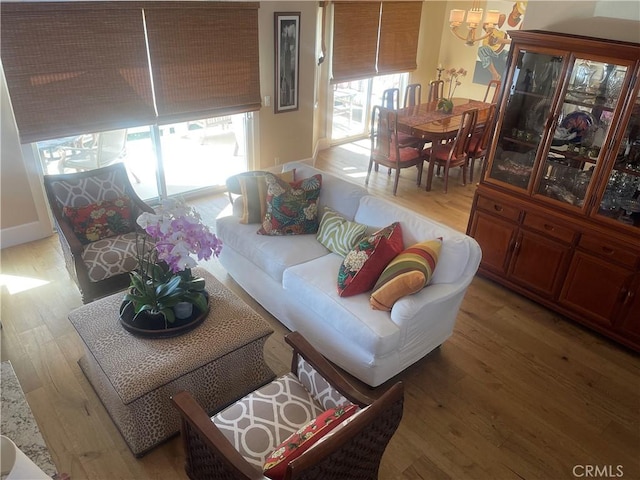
(218, 362)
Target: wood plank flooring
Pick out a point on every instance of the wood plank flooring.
(518, 392)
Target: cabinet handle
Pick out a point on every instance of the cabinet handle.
(516, 247)
(608, 250)
(628, 297)
(497, 208)
(548, 227)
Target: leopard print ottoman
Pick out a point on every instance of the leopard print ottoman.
(218, 362)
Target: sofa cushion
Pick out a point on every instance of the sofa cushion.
(456, 247)
(339, 195)
(270, 254)
(103, 219)
(363, 265)
(275, 466)
(312, 285)
(338, 234)
(110, 256)
(408, 273)
(252, 187)
(291, 207)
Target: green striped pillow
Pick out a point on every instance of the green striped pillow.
(339, 234)
(408, 273)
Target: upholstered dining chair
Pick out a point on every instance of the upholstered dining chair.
(391, 98)
(386, 148)
(412, 95)
(436, 90)
(95, 216)
(274, 427)
(479, 142)
(453, 153)
(493, 85)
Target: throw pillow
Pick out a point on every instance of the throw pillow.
(253, 190)
(363, 265)
(339, 234)
(408, 273)
(100, 220)
(292, 208)
(275, 466)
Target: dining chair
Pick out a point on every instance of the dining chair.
(436, 90)
(479, 142)
(453, 153)
(412, 95)
(391, 98)
(386, 149)
(295, 427)
(108, 148)
(95, 216)
(495, 86)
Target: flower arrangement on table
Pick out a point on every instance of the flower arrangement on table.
(163, 278)
(452, 77)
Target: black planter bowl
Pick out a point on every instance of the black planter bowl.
(153, 325)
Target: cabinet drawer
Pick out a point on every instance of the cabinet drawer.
(541, 224)
(499, 208)
(605, 249)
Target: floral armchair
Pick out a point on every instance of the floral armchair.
(95, 215)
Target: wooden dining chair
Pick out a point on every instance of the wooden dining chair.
(391, 98)
(479, 142)
(385, 147)
(436, 90)
(495, 86)
(412, 95)
(453, 153)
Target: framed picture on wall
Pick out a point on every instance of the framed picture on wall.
(287, 54)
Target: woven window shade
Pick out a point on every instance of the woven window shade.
(399, 29)
(75, 67)
(355, 40)
(204, 58)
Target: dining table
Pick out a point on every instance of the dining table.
(426, 122)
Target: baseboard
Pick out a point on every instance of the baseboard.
(28, 232)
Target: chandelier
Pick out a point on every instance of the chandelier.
(474, 19)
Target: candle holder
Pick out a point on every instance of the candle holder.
(440, 69)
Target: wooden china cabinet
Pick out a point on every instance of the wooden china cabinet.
(557, 211)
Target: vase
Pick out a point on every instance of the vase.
(445, 105)
(183, 310)
(154, 325)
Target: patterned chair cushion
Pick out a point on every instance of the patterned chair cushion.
(338, 234)
(321, 390)
(99, 220)
(110, 256)
(275, 466)
(257, 423)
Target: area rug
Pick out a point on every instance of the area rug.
(18, 423)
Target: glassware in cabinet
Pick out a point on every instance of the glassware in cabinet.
(533, 83)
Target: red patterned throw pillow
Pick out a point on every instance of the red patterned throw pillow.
(363, 265)
(275, 466)
(100, 220)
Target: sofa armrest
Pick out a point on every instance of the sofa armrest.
(423, 303)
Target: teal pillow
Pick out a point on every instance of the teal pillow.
(339, 234)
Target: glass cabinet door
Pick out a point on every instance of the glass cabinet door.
(583, 124)
(621, 198)
(533, 85)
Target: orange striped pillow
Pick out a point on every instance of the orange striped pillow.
(408, 273)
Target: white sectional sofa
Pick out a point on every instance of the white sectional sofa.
(295, 279)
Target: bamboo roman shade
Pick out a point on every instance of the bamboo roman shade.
(75, 67)
(204, 59)
(78, 67)
(355, 39)
(374, 38)
(399, 29)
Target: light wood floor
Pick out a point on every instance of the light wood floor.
(516, 392)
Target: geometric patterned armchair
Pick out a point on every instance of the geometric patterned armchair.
(95, 215)
(278, 422)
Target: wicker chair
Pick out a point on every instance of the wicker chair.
(352, 450)
(101, 267)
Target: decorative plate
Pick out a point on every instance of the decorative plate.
(579, 123)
